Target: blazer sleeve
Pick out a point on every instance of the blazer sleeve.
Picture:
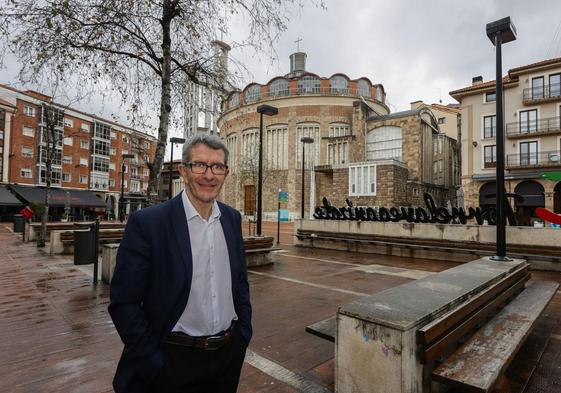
(244, 302)
(128, 290)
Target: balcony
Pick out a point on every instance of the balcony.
(545, 159)
(541, 127)
(135, 177)
(547, 93)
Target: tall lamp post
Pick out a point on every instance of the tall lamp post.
(304, 140)
(121, 199)
(499, 32)
(173, 141)
(269, 111)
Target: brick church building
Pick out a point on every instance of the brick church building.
(359, 151)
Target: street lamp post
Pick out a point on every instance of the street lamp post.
(269, 111)
(173, 141)
(499, 32)
(121, 199)
(304, 140)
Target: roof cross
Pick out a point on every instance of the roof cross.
(298, 44)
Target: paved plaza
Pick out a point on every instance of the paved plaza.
(57, 335)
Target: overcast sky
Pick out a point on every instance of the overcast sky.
(419, 50)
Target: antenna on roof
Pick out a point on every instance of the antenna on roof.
(298, 40)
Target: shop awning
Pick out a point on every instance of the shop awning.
(59, 197)
(7, 198)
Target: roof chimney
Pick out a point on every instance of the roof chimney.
(476, 80)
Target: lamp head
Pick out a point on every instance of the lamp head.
(177, 140)
(267, 110)
(307, 140)
(503, 26)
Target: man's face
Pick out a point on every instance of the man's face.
(204, 188)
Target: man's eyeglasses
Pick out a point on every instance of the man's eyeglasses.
(200, 167)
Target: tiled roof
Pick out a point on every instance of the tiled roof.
(537, 64)
(482, 85)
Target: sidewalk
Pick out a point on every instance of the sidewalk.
(58, 337)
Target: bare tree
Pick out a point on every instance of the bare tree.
(145, 50)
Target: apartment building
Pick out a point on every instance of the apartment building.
(532, 113)
(86, 171)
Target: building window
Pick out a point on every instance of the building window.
(279, 88)
(83, 179)
(100, 164)
(84, 161)
(66, 177)
(555, 85)
(489, 126)
(111, 166)
(528, 121)
(113, 151)
(277, 147)
(235, 100)
(57, 156)
(337, 152)
(252, 93)
(338, 84)
(379, 93)
(56, 176)
(308, 84)
(102, 131)
(135, 186)
(26, 172)
(146, 145)
(100, 147)
(125, 152)
(528, 153)
(28, 131)
(113, 135)
(68, 122)
(490, 156)
(99, 181)
(84, 144)
(336, 130)
(146, 172)
(441, 120)
(26, 151)
(312, 149)
(250, 146)
(362, 180)
(384, 143)
(491, 96)
(84, 127)
(112, 182)
(364, 88)
(537, 87)
(68, 140)
(29, 111)
(67, 160)
(125, 139)
(231, 143)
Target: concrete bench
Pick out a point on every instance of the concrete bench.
(35, 227)
(258, 250)
(474, 340)
(67, 239)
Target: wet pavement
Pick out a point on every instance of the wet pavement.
(58, 337)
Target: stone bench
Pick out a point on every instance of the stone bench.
(467, 339)
(62, 242)
(35, 227)
(258, 250)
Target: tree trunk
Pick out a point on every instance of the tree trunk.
(165, 106)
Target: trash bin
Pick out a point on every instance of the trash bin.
(83, 246)
(19, 223)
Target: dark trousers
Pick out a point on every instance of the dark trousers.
(189, 370)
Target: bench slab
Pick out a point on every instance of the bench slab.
(484, 357)
(324, 329)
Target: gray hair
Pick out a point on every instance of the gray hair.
(209, 140)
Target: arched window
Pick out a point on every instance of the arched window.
(232, 145)
(364, 88)
(278, 88)
(235, 100)
(277, 147)
(308, 84)
(338, 84)
(252, 93)
(310, 130)
(384, 143)
(250, 148)
(379, 93)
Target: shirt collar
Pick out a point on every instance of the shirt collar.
(191, 212)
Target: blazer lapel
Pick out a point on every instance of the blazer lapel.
(181, 230)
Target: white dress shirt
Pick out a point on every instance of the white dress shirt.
(210, 308)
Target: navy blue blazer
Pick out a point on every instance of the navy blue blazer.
(151, 284)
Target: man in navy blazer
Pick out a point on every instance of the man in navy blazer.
(179, 293)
